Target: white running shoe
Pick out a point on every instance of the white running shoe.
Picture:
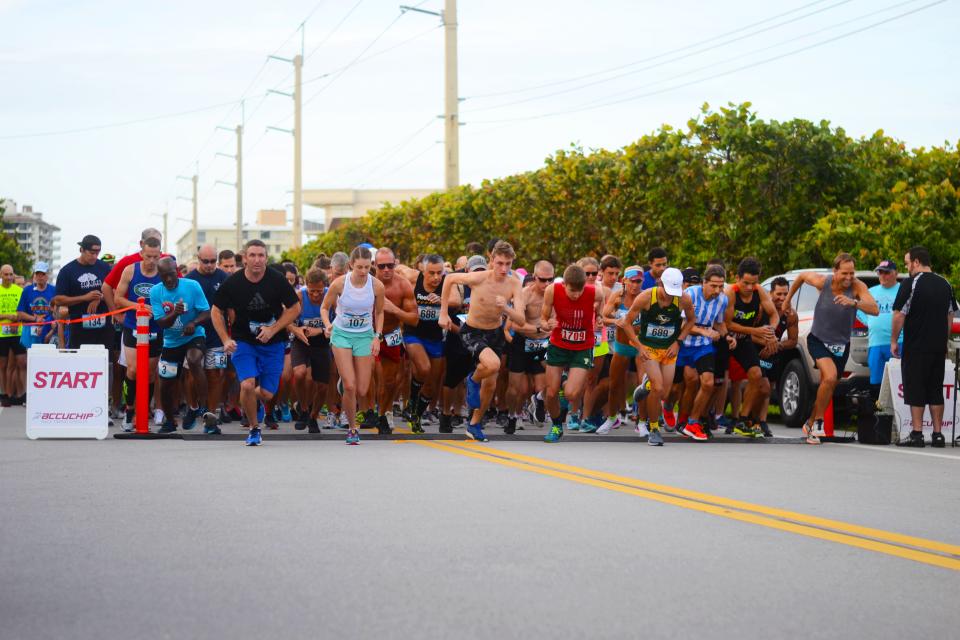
(158, 417)
(608, 424)
(642, 429)
(818, 428)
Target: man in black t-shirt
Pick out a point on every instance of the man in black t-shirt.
(924, 309)
(263, 303)
(79, 286)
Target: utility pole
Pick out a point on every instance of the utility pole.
(297, 133)
(239, 239)
(166, 215)
(193, 229)
(452, 100)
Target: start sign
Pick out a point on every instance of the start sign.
(67, 392)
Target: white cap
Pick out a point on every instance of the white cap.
(672, 280)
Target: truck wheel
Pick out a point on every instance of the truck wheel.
(795, 394)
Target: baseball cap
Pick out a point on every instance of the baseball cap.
(109, 258)
(691, 275)
(886, 265)
(672, 280)
(41, 267)
(476, 263)
(633, 272)
(90, 241)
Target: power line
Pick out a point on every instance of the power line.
(336, 28)
(591, 106)
(661, 63)
(384, 156)
(112, 125)
(643, 60)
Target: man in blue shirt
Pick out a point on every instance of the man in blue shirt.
(215, 359)
(879, 326)
(35, 307)
(180, 309)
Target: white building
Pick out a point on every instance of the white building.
(271, 227)
(38, 238)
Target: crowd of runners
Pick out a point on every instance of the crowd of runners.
(363, 340)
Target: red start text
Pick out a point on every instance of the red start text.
(66, 379)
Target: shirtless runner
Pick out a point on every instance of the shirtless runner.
(398, 308)
(492, 291)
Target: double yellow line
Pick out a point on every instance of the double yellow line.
(930, 552)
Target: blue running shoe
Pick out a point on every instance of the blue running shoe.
(473, 392)
(254, 438)
(285, 415)
(190, 419)
(590, 425)
(261, 413)
(212, 430)
(475, 432)
(573, 421)
(169, 426)
(353, 436)
(556, 432)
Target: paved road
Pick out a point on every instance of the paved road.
(196, 539)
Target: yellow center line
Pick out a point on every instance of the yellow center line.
(925, 551)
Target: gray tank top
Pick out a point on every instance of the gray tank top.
(832, 323)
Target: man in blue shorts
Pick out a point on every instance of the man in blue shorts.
(263, 304)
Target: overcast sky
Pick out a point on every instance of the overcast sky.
(82, 64)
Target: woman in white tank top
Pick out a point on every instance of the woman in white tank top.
(355, 332)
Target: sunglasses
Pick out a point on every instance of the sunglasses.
(591, 274)
(539, 279)
(386, 266)
(636, 280)
(213, 261)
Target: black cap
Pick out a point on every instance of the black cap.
(90, 242)
(691, 275)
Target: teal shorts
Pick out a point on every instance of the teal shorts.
(624, 350)
(359, 343)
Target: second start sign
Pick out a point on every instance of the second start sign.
(67, 392)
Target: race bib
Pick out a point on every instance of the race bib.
(91, 322)
(314, 323)
(394, 338)
(766, 364)
(836, 349)
(611, 333)
(428, 314)
(358, 321)
(255, 326)
(167, 369)
(36, 332)
(569, 335)
(659, 331)
(215, 359)
(598, 336)
(8, 330)
(533, 345)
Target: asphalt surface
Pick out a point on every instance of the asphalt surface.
(399, 539)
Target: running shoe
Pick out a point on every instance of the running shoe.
(254, 438)
(915, 439)
(511, 427)
(655, 439)
(353, 436)
(416, 424)
(669, 418)
(726, 423)
(809, 433)
(169, 426)
(383, 426)
(937, 441)
(313, 426)
(540, 412)
(694, 431)
(765, 429)
(369, 420)
(301, 424)
(158, 417)
(613, 422)
(212, 430)
(475, 432)
(573, 421)
(271, 423)
(556, 432)
(743, 428)
(430, 417)
(473, 392)
(446, 423)
(225, 417)
(234, 413)
(331, 422)
(285, 414)
(128, 425)
(818, 428)
(642, 429)
(190, 419)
